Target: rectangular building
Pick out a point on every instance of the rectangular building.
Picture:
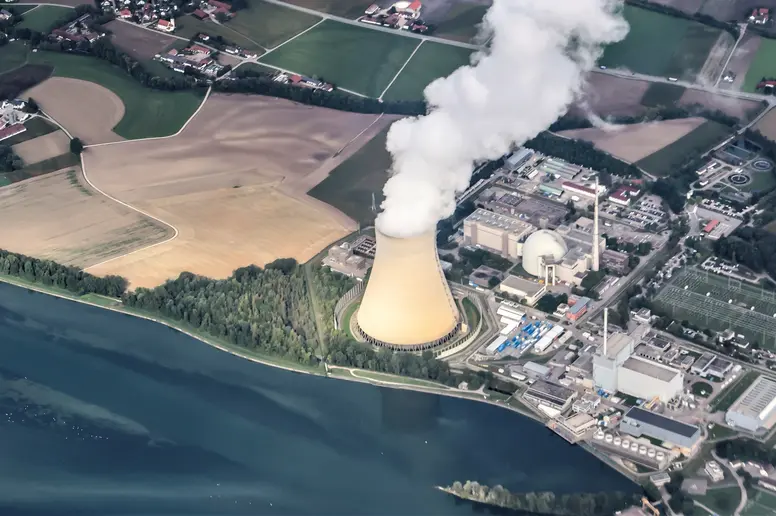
(498, 233)
(607, 362)
(559, 169)
(518, 159)
(639, 422)
(702, 364)
(756, 408)
(616, 261)
(550, 395)
(526, 290)
(646, 379)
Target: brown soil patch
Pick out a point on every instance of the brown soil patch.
(767, 125)
(43, 147)
(607, 95)
(637, 141)
(59, 217)
(741, 108)
(233, 184)
(88, 110)
(137, 41)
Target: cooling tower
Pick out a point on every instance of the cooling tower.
(407, 304)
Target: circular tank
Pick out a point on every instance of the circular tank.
(608, 438)
(617, 441)
(599, 434)
(660, 455)
(544, 244)
(643, 450)
(626, 443)
(651, 453)
(634, 447)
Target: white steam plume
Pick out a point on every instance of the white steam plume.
(532, 71)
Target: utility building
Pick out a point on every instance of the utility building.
(498, 233)
(756, 408)
(646, 379)
(639, 422)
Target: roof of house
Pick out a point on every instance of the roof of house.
(569, 184)
(126, 12)
(199, 13)
(163, 23)
(710, 226)
(11, 130)
(415, 5)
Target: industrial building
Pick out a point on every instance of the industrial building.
(342, 259)
(407, 304)
(702, 364)
(501, 234)
(550, 396)
(646, 379)
(608, 360)
(756, 408)
(518, 158)
(616, 261)
(526, 290)
(559, 169)
(639, 422)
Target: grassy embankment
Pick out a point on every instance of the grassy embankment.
(680, 50)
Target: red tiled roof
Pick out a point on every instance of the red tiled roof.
(199, 13)
(295, 78)
(415, 5)
(11, 130)
(569, 184)
(220, 5)
(126, 12)
(710, 226)
(163, 23)
(199, 48)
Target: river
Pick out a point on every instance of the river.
(103, 413)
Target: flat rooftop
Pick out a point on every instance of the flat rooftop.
(496, 220)
(550, 390)
(616, 343)
(524, 285)
(666, 423)
(646, 367)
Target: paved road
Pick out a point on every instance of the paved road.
(348, 21)
(744, 496)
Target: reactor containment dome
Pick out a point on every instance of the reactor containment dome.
(407, 304)
(542, 247)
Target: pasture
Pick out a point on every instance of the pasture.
(661, 45)
(763, 503)
(352, 57)
(43, 18)
(13, 55)
(763, 65)
(350, 186)
(138, 42)
(662, 94)
(189, 27)
(668, 159)
(230, 184)
(458, 22)
(269, 24)
(730, 304)
(431, 61)
(147, 112)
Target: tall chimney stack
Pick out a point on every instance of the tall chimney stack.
(606, 328)
(596, 250)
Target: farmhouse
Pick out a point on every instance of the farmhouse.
(200, 15)
(195, 57)
(165, 25)
(301, 80)
(214, 7)
(403, 15)
(5, 15)
(125, 14)
(78, 30)
(760, 16)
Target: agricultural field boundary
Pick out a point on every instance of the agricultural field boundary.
(401, 70)
(289, 40)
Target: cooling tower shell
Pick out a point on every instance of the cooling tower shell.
(407, 304)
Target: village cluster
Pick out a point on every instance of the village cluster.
(399, 15)
(161, 15)
(194, 57)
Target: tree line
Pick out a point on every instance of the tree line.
(729, 27)
(52, 274)
(9, 161)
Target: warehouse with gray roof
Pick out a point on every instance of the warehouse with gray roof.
(756, 408)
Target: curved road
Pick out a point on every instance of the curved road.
(744, 496)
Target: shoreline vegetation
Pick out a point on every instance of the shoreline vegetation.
(544, 502)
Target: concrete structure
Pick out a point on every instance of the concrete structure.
(550, 395)
(596, 250)
(586, 404)
(639, 422)
(541, 250)
(565, 254)
(578, 424)
(518, 158)
(702, 364)
(407, 304)
(660, 479)
(559, 169)
(755, 409)
(526, 290)
(501, 234)
(609, 358)
(646, 379)
(616, 261)
(553, 189)
(480, 277)
(536, 370)
(578, 309)
(714, 471)
(342, 259)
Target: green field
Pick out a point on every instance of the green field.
(35, 126)
(723, 500)
(763, 65)
(44, 18)
(148, 112)
(355, 58)
(269, 24)
(668, 159)
(662, 94)
(763, 503)
(12, 55)
(19, 9)
(350, 186)
(661, 45)
(460, 23)
(713, 311)
(189, 27)
(431, 61)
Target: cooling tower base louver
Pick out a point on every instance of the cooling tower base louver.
(407, 304)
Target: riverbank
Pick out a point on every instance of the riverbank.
(328, 371)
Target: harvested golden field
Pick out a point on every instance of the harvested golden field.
(43, 147)
(59, 217)
(767, 125)
(234, 185)
(634, 142)
(88, 110)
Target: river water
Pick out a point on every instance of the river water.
(103, 413)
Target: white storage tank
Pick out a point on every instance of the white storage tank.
(643, 450)
(617, 441)
(599, 434)
(608, 438)
(626, 443)
(660, 456)
(651, 453)
(635, 447)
